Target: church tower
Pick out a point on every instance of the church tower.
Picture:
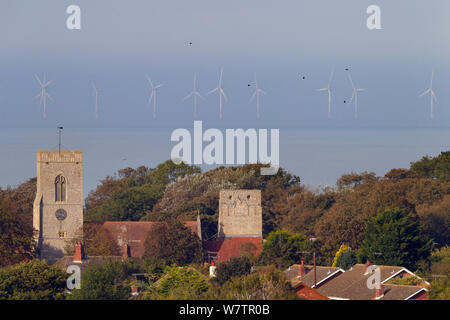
(58, 207)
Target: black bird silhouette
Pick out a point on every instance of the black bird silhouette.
(248, 85)
(190, 43)
(346, 69)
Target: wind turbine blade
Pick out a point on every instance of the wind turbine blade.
(49, 96)
(425, 92)
(223, 93)
(433, 95)
(351, 81)
(47, 83)
(213, 90)
(190, 94)
(253, 96)
(361, 89)
(159, 85)
(331, 77)
(262, 91)
(149, 80)
(322, 89)
(38, 95)
(353, 95)
(199, 95)
(40, 83)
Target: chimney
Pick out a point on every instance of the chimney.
(379, 292)
(301, 269)
(78, 255)
(125, 251)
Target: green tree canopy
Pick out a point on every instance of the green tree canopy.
(281, 248)
(435, 168)
(344, 258)
(395, 238)
(33, 280)
(108, 280)
(235, 267)
(172, 242)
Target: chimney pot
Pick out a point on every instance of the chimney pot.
(78, 255)
(301, 270)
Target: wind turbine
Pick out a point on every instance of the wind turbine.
(256, 93)
(355, 95)
(432, 95)
(221, 93)
(153, 96)
(195, 93)
(43, 94)
(95, 94)
(328, 89)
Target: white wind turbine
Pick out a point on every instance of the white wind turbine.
(256, 93)
(221, 93)
(194, 93)
(43, 94)
(95, 94)
(328, 89)
(432, 95)
(355, 95)
(153, 95)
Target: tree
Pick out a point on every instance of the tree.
(173, 242)
(108, 280)
(435, 168)
(235, 267)
(33, 280)
(282, 248)
(267, 283)
(395, 238)
(344, 258)
(440, 274)
(97, 241)
(16, 235)
(179, 283)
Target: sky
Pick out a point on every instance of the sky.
(120, 42)
(291, 45)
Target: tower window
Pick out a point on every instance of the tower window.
(62, 234)
(60, 188)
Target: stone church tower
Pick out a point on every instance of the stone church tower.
(58, 207)
(240, 214)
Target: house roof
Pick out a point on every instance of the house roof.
(322, 274)
(134, 233)
(352, 284)
(400, 292)
(226, 248)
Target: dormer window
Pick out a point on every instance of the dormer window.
(60, 188)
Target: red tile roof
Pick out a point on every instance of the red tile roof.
(226, 248)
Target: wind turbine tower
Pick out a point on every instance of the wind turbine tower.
(95, 94)
(43, 94)
(195, 94)
(256, 93)
(153, 95)
(221, 93)
(328, 89)
(355, 95)
(432, 95)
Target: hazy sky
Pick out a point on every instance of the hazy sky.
(282, 41)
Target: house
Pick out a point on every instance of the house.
(353, 284)
(306, 279)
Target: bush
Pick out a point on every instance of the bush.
(235, 267)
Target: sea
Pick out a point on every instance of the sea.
(319, 156)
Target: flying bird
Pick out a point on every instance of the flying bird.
(153, 95)
(221, 93)
(195, 94)
(43, 94)
(432, 95)
(328, 89)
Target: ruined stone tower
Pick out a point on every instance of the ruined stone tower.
(240, 213)
(58, 207)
